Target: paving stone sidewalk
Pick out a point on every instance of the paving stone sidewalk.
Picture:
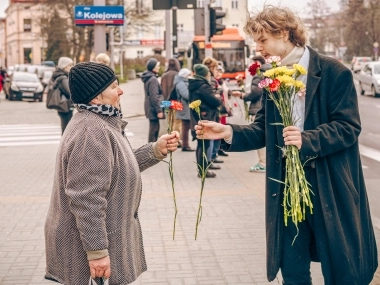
(230, 248)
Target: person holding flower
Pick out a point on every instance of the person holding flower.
(335, 227)
(200, 89)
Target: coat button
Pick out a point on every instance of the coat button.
(274, 195)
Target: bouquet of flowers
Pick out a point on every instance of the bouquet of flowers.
(284, 89)
(195, 105)
(170, 108)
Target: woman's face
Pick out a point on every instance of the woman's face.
(268, 45)
(111, 95)
(156, 68)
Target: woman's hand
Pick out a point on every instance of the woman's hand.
(168, 142)
(236, 93)
(292, 136)
(100, 267)
(212, 131)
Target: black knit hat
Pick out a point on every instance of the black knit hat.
(152, 62)
(88, 79)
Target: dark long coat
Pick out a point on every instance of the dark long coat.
(331, 130)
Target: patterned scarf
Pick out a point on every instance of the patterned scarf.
(105, 110)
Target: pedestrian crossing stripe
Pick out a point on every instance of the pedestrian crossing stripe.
(32, 134)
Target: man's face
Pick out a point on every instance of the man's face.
(268, 45)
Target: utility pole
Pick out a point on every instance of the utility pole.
(175, 29)
(99, 33)
(168, 38)
(208, 45)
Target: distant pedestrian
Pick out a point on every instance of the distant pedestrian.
(153, 98)
(103, 58)
(167, 85)
(92, 227)
(181, 84)
(61, 78)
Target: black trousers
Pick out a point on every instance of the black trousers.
(310, 242)
(202, 159)
(65, 119)
(154, 128)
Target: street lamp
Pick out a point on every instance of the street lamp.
(375, 49)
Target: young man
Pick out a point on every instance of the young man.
(339, 232)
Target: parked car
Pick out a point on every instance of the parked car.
(46, 76)
(358, 62)
(10, 70)
(48, 63)
(23, 85)
(369, 79)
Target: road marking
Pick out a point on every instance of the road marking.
(32, 134)
(369, 152)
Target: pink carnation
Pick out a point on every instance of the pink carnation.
(265, 83)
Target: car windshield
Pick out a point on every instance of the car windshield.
(364, 59)
(26, 77)
(376, 69)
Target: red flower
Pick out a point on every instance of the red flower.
(253, 68)
(273, 87)
(235, 104)
(176, 105)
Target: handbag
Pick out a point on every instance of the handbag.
(55, 99)
(92, 281)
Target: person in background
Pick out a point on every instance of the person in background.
(181, 84)
(212, 65)
(61, 78)
(103, 58)
(92, 227)
(200, 89)
(254, 97)
(167, 86)
(338, 232)
(153, 98)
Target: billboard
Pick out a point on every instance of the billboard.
(99, 15)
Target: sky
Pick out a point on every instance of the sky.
(299, 6)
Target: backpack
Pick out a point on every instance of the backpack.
(55, 99)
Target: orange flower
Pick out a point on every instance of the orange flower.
(176, 105)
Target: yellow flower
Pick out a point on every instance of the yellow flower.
(195, 104)
(290, 71)
(280, 70)
(299, 84)
(285, 79)
(269, 73)
(300, 68)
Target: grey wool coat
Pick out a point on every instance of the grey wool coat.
(331, 131)
(95, 200)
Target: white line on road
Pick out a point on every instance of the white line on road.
(369, 152)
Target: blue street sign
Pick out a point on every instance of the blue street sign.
(99, 15)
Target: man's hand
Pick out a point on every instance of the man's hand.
(292, 136)
(237, 93)
(160, 115)
(168, 142)
(100, 267)
(212, 131)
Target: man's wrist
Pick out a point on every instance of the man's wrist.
(228, 134)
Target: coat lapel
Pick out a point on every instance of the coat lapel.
(313, 79)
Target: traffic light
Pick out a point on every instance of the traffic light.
(216, 26)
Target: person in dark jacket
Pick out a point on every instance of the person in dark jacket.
(181, 84)
(254, 97)
(339, 233)
(167, 86)
(200, 89)
(61, 76)
(153, 98)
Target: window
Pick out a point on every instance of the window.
(140, 54)
(157, 31)
(235, 25)
(140, 32)
(219, 3)
(234, 4)
(180, 27)
(200, 3)
(139, 6)
(27, 25)
(27, 55)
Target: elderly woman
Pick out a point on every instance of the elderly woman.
(92, 227)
